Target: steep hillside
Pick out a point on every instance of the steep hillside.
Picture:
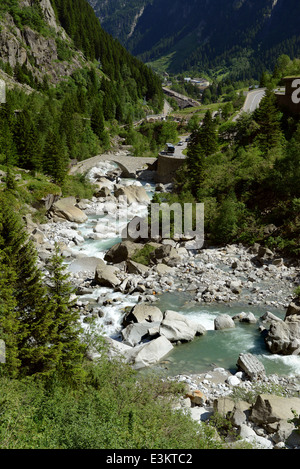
(119, 18)
(237, 35)
(33, 45)
(69, 85)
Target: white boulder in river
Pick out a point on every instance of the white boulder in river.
(224, 321)
(176, 327)
(141, 356)
(149, 353)
(65, 209)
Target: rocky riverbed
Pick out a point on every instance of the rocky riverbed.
(122, 295)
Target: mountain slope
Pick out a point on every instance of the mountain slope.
(68, 84)
(243, 36)
(119, 18)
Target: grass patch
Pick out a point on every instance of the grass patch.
(78, 186)
(143, 255)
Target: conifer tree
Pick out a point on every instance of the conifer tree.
(203, 143)
(55, 161)
(195, 162)
(267, 117)
(65, 328)
(97, 120)
(30, 294)
(7, 144)
(37, 321)
(27, 142)
(66, 125)
(208, 135)
(9, 323)
(98, 124)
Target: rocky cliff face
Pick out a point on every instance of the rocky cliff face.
(119, 17)
(37, 51)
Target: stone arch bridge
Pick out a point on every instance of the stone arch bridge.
(130, 165)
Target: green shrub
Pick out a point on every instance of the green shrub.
(115, 408)
(78, 186)
(297, 292)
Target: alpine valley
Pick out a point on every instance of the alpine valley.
(117, 116)
(243, 37)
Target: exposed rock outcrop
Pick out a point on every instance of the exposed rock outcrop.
(65, 208)
(121, 252)
(105, 275)
(38, 52)
(251, 366)
(283, 337)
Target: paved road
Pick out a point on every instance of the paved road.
(253, 99)
(178, 151)
(252, 102)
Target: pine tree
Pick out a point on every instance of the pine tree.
(98, 124)
(7, 144)
(196, 162)
(9, 324)
(203, 143)
(66, 124)
(27, 142)
(32, 306)
(267, 117)
(55, 161)
(208, 135)
(65, 328)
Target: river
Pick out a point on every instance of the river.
(215, 348)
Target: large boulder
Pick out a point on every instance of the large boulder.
(121, 252)
(245, 317)
(116, 349)
(65, 209)
(103, 192)
(293, 308)
(224, 321)
(46, 202)
(176, 327)
(136, 268)
(143, 313)
(132, 194)
(264, 256)
(251, 366)
(283, 337)
(163, 269)
(269, 409)
(134, 333)
(150, 353)
(102, 181)
(138, 332)
(105, 275)
(164, 250)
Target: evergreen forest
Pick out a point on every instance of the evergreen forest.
(246, 172)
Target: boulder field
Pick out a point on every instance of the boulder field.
(231, 274)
